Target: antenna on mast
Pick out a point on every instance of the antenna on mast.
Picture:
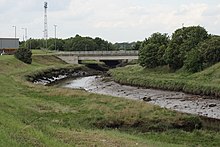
(45, 24)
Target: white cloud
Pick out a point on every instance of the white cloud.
(166, 17)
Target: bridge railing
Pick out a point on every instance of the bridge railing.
(105, 53)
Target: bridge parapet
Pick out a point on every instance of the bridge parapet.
(100, 53)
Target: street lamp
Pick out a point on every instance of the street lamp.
(25, 35)
(15, 30)
(55, 33)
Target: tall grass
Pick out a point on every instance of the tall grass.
(202, 83)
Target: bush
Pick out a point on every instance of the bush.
(24, 55)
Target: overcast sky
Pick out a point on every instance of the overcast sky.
(113, 20)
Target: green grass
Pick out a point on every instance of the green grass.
(41, 51)
(204, 83)
(35, 115)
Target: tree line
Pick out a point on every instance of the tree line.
(190, 48)
(77, 43)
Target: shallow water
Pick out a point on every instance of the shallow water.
(178, 101)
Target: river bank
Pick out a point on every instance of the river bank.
(202, 83)
(178, 101)
(55, 74)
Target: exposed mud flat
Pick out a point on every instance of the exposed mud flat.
(204, 106)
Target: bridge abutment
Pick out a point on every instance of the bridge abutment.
(70, 59)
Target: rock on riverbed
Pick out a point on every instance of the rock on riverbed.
(178, 101)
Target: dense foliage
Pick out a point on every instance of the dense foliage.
(127, 46)
(204, 55)
(24, 55)
(79, 43)
(191, 48)
(152, 50)
(183, 41)
(194, 61)
(210, 50)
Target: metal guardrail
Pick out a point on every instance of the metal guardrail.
(103, 53)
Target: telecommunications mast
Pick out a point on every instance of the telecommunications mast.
(45, 24)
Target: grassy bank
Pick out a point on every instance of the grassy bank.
(203, 83)
(35, 115)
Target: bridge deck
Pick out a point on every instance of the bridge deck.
(75, 56)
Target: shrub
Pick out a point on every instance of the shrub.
(24, 55)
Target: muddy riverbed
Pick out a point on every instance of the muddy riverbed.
(178, 101)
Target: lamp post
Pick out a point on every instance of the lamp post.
(25, 35)
(55, 33)
(15, 30)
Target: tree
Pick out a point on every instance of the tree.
(148, 56)
(59, 44)
(101, 44)
(211, 51)
(124, 46)
(137, 45)
(183, 40)
(194, 61)
(152, 50)
(67, 45)
(24, 55)
(172, 56)
(204, 55)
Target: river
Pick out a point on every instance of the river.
(178, 101)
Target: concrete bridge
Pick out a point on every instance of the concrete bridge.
(75, 56)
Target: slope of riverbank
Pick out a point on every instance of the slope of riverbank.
(178, 101)
(206, 82)
(36, 115)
